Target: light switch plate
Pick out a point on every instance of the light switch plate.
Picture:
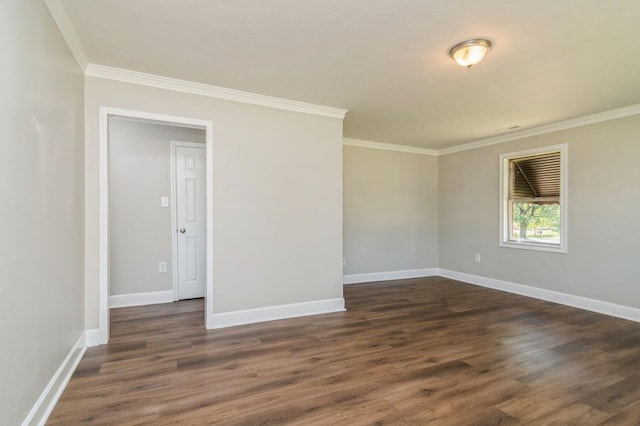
(164, 201)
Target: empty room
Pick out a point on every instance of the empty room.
(320, 212)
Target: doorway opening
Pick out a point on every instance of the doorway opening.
(149, 275)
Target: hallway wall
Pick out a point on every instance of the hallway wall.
(41, 186)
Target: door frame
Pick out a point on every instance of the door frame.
(103, 205)
(174, 206)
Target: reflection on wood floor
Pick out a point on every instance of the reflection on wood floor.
(419, 351)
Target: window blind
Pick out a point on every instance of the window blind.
(536, 178)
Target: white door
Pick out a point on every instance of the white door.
(191, 221)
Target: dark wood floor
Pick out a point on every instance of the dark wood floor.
(421, 351)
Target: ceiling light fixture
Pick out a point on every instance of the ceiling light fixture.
(470, 52)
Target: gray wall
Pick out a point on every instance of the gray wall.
(604, 200)
(390, 210)
(277, 213)
(140, 230)
(41, 186)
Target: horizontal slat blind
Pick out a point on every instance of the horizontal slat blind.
(536, 177)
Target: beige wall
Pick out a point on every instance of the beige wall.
(277, 196)
(139, 228)
(390, 210)
(41, 186)
(604, 198)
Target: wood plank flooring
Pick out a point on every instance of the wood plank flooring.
(420, 351)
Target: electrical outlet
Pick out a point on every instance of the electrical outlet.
(162, 267)
(477, 258)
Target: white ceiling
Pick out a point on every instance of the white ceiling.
(386, 61)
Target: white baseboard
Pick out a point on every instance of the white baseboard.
(599, 306)
(390, 275)
(138, 299)
(49, 397)
(271, 313)
(93, 337)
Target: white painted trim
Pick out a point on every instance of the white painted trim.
(174, 220)
(43, 407)
(599, 306)
(93, 337)
(388, 146)
(389, 275)
(564, 197)
(70, 35)
(271, 313)
(139, 299)
(103, 207)
(185, 86)
(61, 18)
(173, 207)
(547, 128)
(103, 226)
(208, 301)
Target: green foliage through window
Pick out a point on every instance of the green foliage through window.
(536, 222)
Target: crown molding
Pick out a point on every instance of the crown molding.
(547, 128)
(61, 18)
(388, 146)
(168, 83)
(534, 131)
(59, 15)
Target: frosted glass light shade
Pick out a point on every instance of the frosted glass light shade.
(470, 52)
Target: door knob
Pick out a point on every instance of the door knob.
(182, 230)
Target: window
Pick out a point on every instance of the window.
(533, 194)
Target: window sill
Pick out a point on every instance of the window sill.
(554, 248)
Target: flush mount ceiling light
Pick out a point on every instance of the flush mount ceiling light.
(470, 52)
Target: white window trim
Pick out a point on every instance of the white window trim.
(504, 201)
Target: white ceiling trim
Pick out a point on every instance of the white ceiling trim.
(547, 128)
(388, 146)
(59, 15)
(144, 79)
(534, 131)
